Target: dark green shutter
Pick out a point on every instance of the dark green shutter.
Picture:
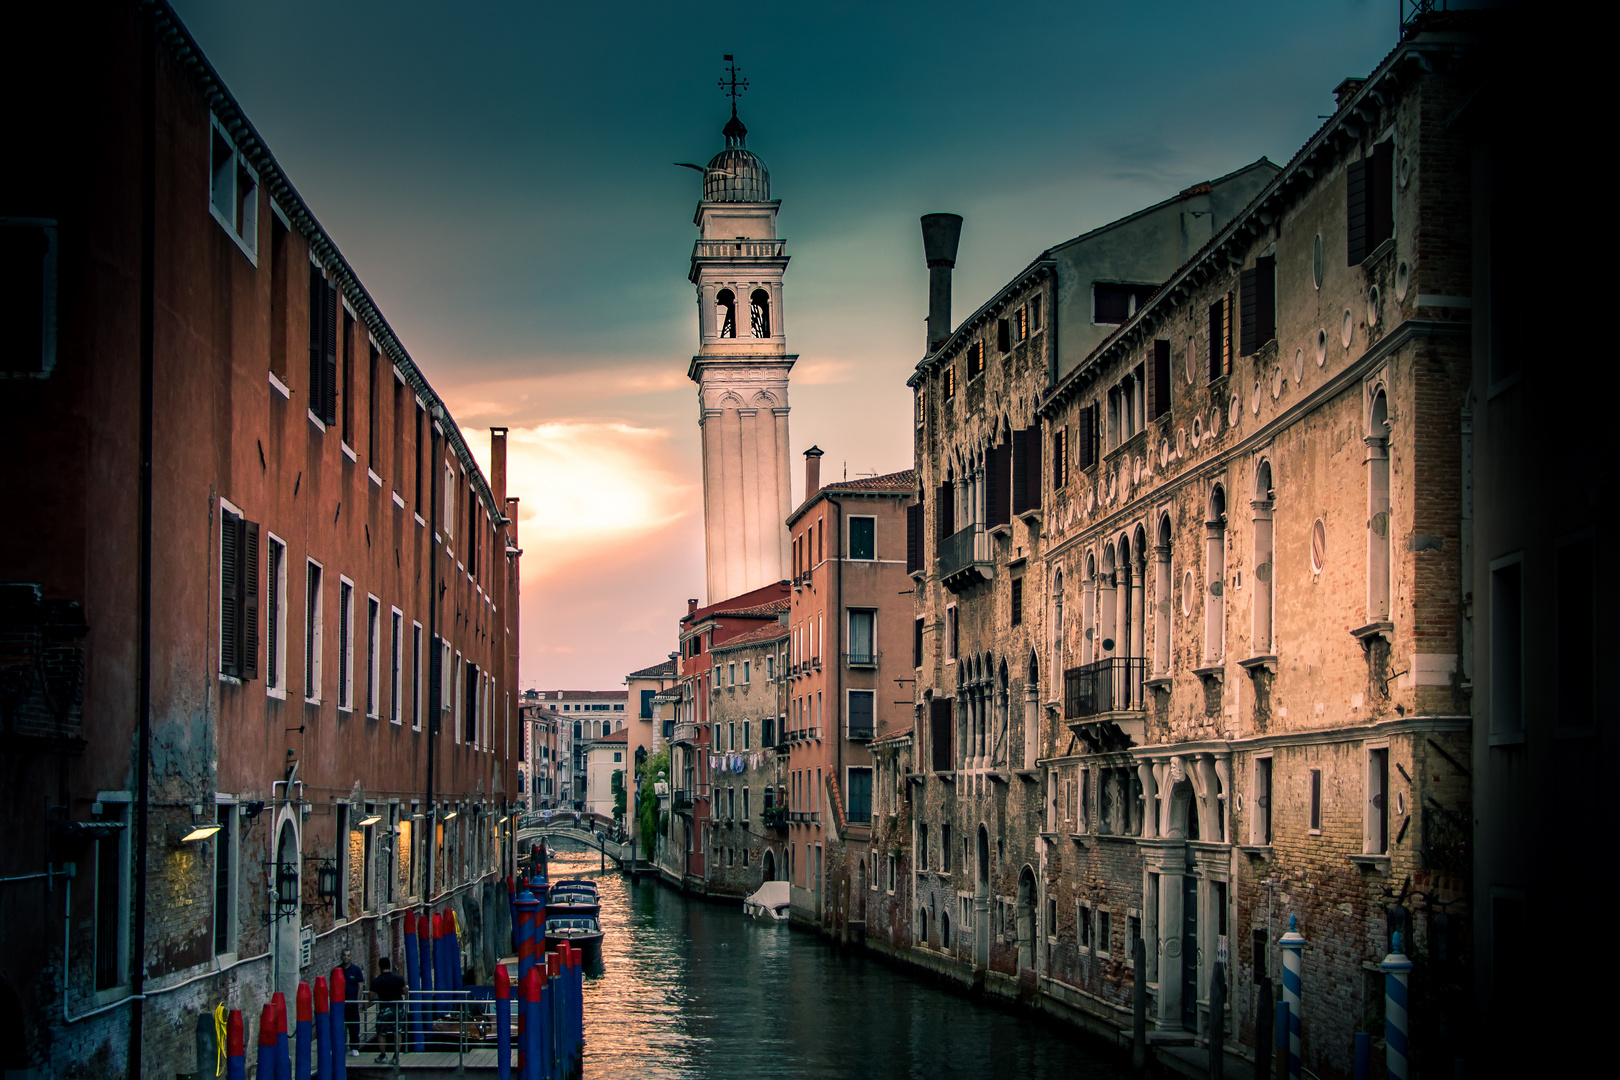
(1248, 336)
(1355, 201)
(249, 592)
(230, 593)
(1020, 471)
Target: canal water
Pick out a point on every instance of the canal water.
(692, 990)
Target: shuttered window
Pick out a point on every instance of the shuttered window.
(939, 734)
(1369, 202)
(322, 347)
(238, 596)
(1060, 457)
(1257, 288)
(914, 538)
(947, 509)
(1220, 338)
(1017, 601)
(1158, 380)
(1086, 434)
(998, 485)
(975, 359)
(948, 381)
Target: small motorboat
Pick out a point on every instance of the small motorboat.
(582, 931)
(574, 883)
(572, 902)
(769, 903)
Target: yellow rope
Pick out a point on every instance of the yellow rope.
(219, 1038)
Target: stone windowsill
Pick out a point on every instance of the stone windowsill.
(1001, 530)
(947, 775)
(1267, 662)
(1380, 863)
(1383, 628)
(1027, 774)
(1160, 683)
(1216, 671)
(1256, 851)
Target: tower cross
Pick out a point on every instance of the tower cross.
(731, 84)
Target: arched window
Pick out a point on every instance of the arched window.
(1032, 712)
(1378, 510)
(759, 313)
(725, 313)
(944, 929)
(1108, 605)
(1161, 599)
(1057, 627)
(922, 926)
(1215, 576)
(1088, 612)
(1264, 594)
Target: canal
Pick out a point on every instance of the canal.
(692, 990)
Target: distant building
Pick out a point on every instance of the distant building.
(606, 763)
(646, 728)
(747, 845)
(259, 694)
(543, 748)
(583, 717)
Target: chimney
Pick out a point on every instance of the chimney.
(497, 464)
(812, 472)
(1346, 90)
(940, 235)
(691, 607)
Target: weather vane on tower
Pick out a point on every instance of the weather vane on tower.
(732, 85)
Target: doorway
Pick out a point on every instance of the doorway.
(1026, 919)
(289, 911)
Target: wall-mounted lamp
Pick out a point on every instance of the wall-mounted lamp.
(370, 820)
(451, 814)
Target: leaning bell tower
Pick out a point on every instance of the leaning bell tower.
(741, 367)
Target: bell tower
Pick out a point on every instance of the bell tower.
(741, 368)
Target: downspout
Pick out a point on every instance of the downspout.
(1465, 666)
(143, 666)
(436, 705)
(838, 668)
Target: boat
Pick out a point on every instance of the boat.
(581, 930)
(769, 903)
(572, 902)
(574, 883)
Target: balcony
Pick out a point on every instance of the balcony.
(685, 732)
(774, 817)
(860, 732)
(738, 249)
(865, 658)
(964, 559)
(683, 801)
(1103, 702)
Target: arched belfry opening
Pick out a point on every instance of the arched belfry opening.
(759, 313)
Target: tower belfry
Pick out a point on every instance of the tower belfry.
(741, 367)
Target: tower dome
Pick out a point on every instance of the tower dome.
(736, 174)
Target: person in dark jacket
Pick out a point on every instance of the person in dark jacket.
(389, 990)
(353, 979)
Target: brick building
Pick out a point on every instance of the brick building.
(746, 752)
(1191, 611)
(260, 691)
(547, 740)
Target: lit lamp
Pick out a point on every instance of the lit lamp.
(453, 812)
(370, 820)
(326, 880)
(196, 831)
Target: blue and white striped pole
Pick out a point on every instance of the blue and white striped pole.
(1397, 969)
(1292, 945)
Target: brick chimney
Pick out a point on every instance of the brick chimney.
(812, 472)
(941, 232)
(497, 464)
(1347, 90)
(691, 607)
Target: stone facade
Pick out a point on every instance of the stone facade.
(750, 774)
(1190, 612)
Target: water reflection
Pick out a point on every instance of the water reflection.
(695, 990)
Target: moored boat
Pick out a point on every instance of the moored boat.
(581, 930)
(769, 903)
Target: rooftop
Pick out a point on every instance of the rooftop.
(666, 670)
(769, 632)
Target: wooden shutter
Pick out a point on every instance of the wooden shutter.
(1249, 337)
(329, 377)
(1020, 471)
(1083, 429)
(1226, 335)
(1158, 383)
(998, 485)
(1381, 194)
(1032, 481)
(913, 538)
(947, 510)
(248, 590)
(1355, 199)
(230, 593)
(317, 342)
(1265, 299)
(939, 734)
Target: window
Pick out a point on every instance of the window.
(1113, 302)
(891, 873)
(770, 667)
(275, 637)
(725, 313)
(323, 309)
(373, 415)
(1083, 924)
(1220, 338)
(1377, 838)
(1215, 577)
(1021, 324)
(922, 845)
(345, 643)
(747, 729)
(1060, 457)
(917, 643)
(373, 655)
(1316, 800)
(860, 713)
(862, 638)
(948, 379)
(1017, 601)
(1003, 335)
(416, 676)
(1158, 380)
(233, 192)
(731, 674)
(860, 796)
(28, 296)
(1261, 818)
(945, 847)
(862, 538)
(224, 844)
(449, 525)
(112, 902)
(975, 359)
(1257, 315)
(951, 639)
(1507, 647)
(346, 397)
(1105, 935)
(1369, 202)
(396, 667)
(1576, 619)
(312, 632)
(1378, 510)
(238, 594)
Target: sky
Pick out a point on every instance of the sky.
(500, 176)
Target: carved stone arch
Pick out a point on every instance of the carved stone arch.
(765, 400)
(728, 400)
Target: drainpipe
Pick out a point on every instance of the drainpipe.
(1465, 667)
(434, 706)
(838, 669)
(143, 668)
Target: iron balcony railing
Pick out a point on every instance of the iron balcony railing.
(1107, 686)
(860, 731)
(861, 658)
(683, 800)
